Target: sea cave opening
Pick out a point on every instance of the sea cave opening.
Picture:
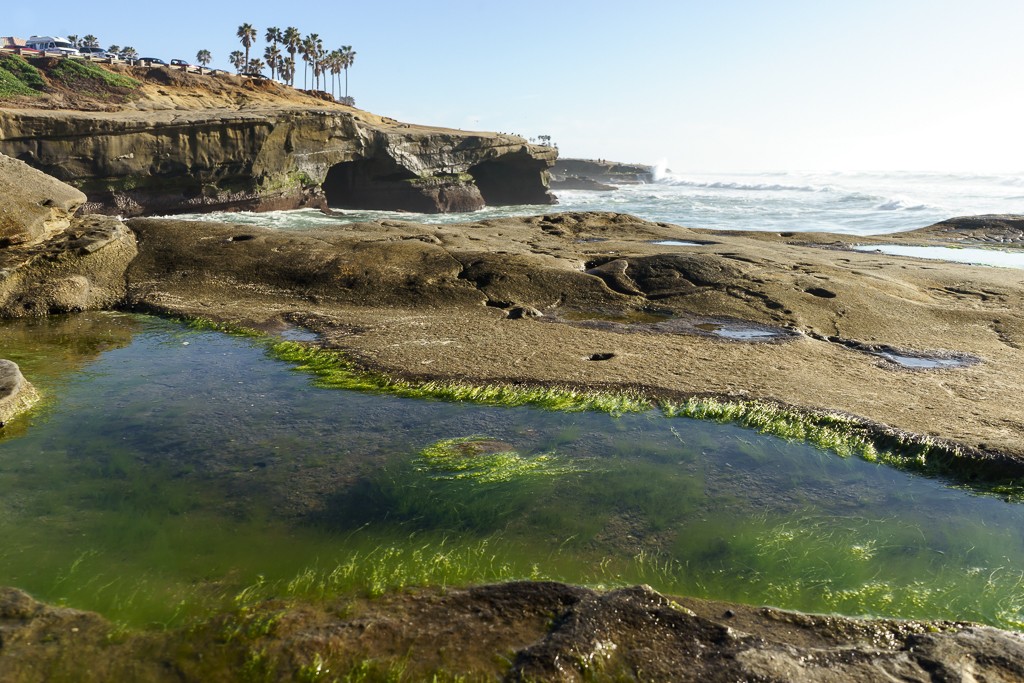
(365, 184)
(509, 181)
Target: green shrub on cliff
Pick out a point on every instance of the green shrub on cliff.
(18, 77)
(71, 71)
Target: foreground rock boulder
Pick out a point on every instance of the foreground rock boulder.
(525, 631)
(16, 393)
(51, 262)
(33, 205)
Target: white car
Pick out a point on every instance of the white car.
(95, 52)
(52, 44)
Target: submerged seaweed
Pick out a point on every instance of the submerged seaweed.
(468, 458)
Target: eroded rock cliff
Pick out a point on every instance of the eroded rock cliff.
(194, 143)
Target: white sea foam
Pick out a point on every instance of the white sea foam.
(853, 203)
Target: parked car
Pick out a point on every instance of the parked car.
(179, 62)
(153, 61)
(95, 52)
(52, 44)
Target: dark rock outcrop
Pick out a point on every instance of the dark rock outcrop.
(145, 162)
(1001, 230)
(587, 174)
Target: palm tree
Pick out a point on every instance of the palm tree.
(292, 40)
(237, 60)
(273, 35)
(246, 33)
(204, 57)
(348, 58)
(73, 39)
(89, 40)
(129, 53)
(332, 63)
(255, 66)
(286, 68)
(114, 49)
(273, 56)
(308, 51)
(316, 53)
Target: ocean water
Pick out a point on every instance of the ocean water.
(850, 203)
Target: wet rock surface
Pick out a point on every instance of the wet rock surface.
(523, 631)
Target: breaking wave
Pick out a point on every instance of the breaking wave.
(735, 185)
(852, 203)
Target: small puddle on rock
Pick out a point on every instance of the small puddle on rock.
(983, 257)
(740, 332)
(664, 322)
(926, 362)
(677, 243)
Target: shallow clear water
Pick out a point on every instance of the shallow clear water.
(851, 203)
(983, 257)
(170, 469)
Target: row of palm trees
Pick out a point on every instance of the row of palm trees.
(89, 40)
(279, 56)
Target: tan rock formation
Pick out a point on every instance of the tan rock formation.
(34, 206)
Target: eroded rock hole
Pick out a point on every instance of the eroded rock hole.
(513, 179)
(821, 292)
(601, 356)
(376, 183)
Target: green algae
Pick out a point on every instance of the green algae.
(849, 437)
(334, 371)
(468, 458)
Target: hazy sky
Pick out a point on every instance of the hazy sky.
(727, 85)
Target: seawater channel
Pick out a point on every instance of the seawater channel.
(169, 470)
